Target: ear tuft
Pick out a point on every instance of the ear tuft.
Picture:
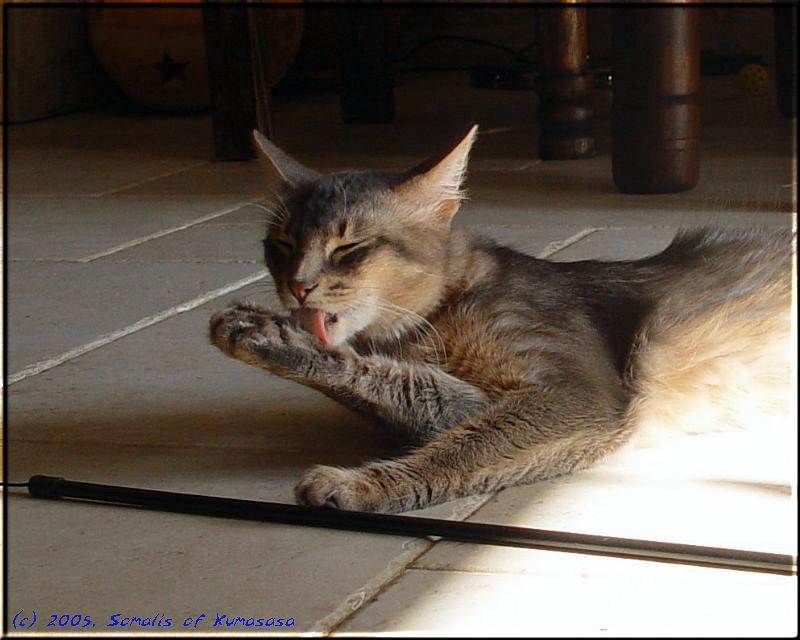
(436, 183)
(288, 169)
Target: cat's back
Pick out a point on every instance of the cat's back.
(517, 318)
(700, 331)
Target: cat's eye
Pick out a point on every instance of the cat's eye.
(350, 253)
(282, 245)
(344, 249)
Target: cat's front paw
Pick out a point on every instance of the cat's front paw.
(271, 341)
(324, 486)
(351, 489)
(236, 325)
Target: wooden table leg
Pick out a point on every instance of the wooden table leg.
(786, 57)
(656, 114)
(230, 79)
(564, 88)
(367, 87)
(259, 30)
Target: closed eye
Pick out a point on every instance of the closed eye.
(344, 249)
(283, 246)
(349, 254)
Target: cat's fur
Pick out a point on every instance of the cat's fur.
(501, 368)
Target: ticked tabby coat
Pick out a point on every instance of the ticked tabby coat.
(500, 368)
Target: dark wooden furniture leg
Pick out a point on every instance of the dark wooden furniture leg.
(367, 93)
(786, 57)
(258, 34)
(656, 114)
(238, 101)
(564, 88)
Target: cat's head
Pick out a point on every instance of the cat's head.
(361, 251)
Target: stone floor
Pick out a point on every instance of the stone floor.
(123, 238)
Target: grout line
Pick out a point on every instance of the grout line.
(136, 261)
(186, 261)
(45, 365)
(397, 566)
(481, 572)
(413, 549)
(559, 245)
(167, 174)
(160, 234)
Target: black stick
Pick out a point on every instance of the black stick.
(51, 487)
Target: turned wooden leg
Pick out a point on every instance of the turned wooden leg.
(786, 57)
(367, 93)
(656, 114)
(239, 98)
(564, 88)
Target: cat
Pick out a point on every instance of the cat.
(499, 368)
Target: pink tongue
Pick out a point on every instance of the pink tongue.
(313, 321)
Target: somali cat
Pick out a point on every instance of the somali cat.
(501, 369)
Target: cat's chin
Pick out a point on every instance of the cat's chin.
(348, 325)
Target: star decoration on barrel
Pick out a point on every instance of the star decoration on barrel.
(169, 68)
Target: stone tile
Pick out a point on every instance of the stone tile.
(75, 228)
(206, 243)
(99, 560)
(622, 244)
(74, 172)
(252, 214)
(711, 602)
(56, 306)
(181, 136)
(521, 206)
(688, 491)
(692, 490)
(241, 179)
(490, 559)
(99, 152)
(588, 190)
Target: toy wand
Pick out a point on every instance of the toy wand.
(51, 487)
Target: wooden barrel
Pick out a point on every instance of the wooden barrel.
(656, 114)
(157, 56)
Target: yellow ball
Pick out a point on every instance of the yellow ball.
(754, 79)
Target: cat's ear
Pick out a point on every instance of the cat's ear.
(435, 185)
(288, 169)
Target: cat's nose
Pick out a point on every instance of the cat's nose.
(300, 289)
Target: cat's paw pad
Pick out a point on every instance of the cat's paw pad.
(271, 341)
(238, 322)
(324, 486)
